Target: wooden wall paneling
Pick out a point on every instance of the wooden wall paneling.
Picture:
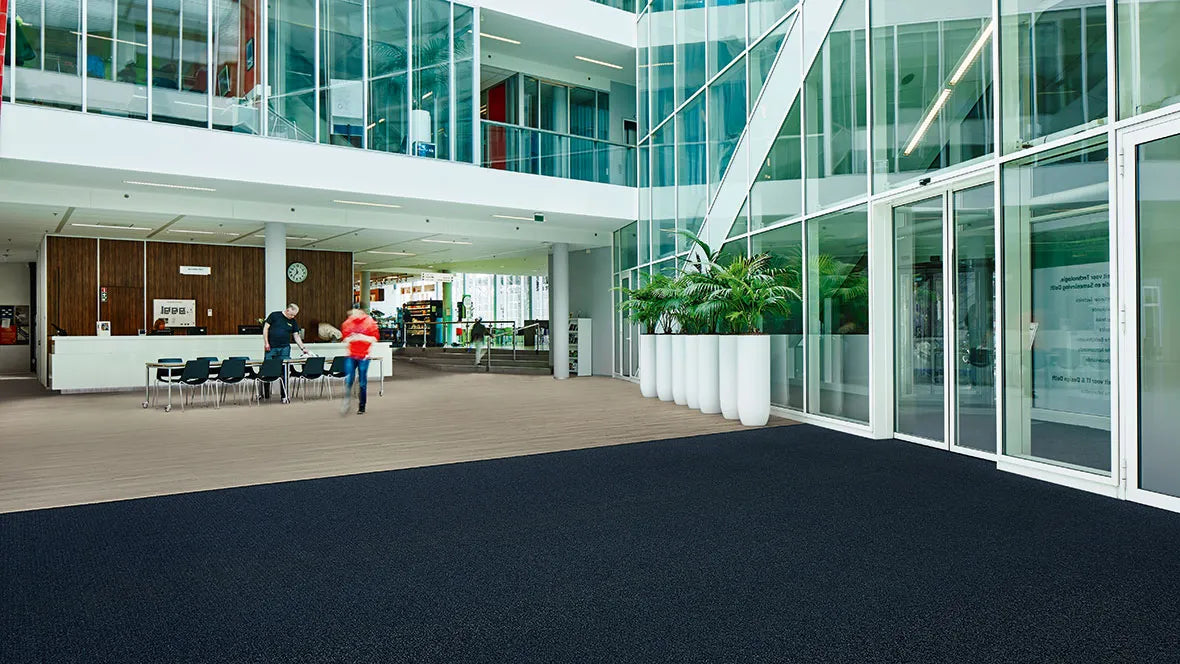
(72, 285)
(120, 271)
(326, 294)
(234, 290)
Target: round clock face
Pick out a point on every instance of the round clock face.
(297, 272)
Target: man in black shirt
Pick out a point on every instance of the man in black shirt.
(278, 331)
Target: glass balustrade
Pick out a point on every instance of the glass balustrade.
(524, 150)
(625, 5)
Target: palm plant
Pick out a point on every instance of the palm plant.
(743, 292)
(646, 306)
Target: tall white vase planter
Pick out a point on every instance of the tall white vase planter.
(679, 394)
(709, 391)
(647, 365)
(664, 366)
(727, 375)
(692, 383)
(753, 379)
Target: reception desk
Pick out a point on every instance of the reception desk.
(98, 364)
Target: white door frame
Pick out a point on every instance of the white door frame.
(883, 209)
(1129, 140)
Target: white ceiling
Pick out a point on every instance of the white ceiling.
(553, 46)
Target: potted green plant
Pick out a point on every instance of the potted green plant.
(700, 276)
(664, 294)
(744, 291)
(642, 307)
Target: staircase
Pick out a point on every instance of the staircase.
(462, 360)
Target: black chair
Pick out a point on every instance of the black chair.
(336, 372)
(313, 369)
(166, 376)
(195, 374)
(271, 371)
(232, 372)
(251, 374)
(212, 360)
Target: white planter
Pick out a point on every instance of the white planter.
(664, 366)
(647, 365)
(679, 393)
(692, 383)
(708, 390)
(753, 379)
(727, 375)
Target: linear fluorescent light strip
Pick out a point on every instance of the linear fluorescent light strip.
(498, 38)
(192, 232)
(596, 62)
(367, 204)
(508, 216)
(972, 54)
(391, 253)
(121, 228)
(110, 39)
(167, 186)
(301, 239)
(447, 241)
(928, 120)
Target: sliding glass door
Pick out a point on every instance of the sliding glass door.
(944, 318)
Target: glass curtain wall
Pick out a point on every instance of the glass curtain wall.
(1057, 313)
(777, 192)
(974, 215)
(329, 80)
(932, 96)
(918, 335)
(787, 357)
(1148, 51)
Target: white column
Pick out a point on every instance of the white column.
(366, 281)
(559, 314)
(276, 266)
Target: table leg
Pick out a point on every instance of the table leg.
(147, 372)
(168, 409)
(381, 367)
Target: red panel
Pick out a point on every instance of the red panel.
(497, 150)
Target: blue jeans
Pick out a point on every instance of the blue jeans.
(280, 353)
(352, 369)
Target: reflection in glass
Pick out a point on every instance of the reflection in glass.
(663, 192)
(777, 193)
(974, 213)
(762, 58)
(180, 72)
(727, 119)
(764, 13)
(237, 74)
(642, 73)
(836, 113)
(1053, 61)
(919, 375)
(1148, 52)
(690, 48)
(1057, 308)
(47, 46)
(1159, 299)
(430, 119)
(661, 57)
(785, 247)
(342, 97)
(727, 33)
(645, 251)
(291, 69)
(464, 77)
(932, 87)
(693, 191)
(838, 315)
(116, 58)
(741, 224)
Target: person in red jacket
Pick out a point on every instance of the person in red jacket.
(360, 333)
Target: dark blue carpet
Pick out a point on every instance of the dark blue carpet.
(788, 544)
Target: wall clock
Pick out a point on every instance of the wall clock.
(297, 272)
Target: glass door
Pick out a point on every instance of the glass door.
(1150, 317)
(944, 266)
(627, 338)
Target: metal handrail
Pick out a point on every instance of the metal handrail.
(506, 125)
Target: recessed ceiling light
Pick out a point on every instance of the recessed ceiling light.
(167, 186)
(193, 232)
(391, 253)
(359, 263)
(498, 38)
(121, 228)
(508, 216)
(596, 62)
(367, 204)
(447, 241)
(301, 239)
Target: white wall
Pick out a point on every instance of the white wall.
(14, 289)
(590, 297)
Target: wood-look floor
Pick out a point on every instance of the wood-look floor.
(60, 450)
